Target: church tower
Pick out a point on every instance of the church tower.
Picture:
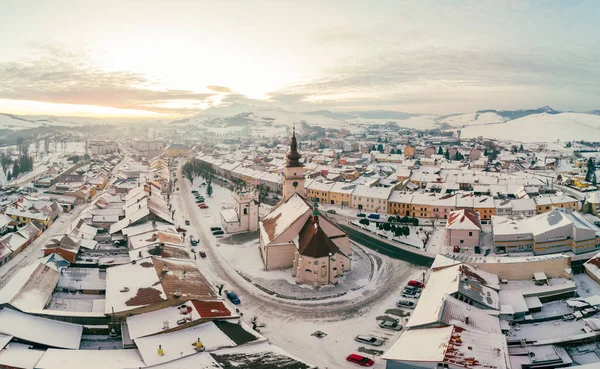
(293, 173)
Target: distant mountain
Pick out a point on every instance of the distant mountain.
(516, 114)
(595, 112)
(365, 114)
(331, 114)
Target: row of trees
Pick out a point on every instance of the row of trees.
(396, 230)
(195, 168)
(23, 164)
(403, 220)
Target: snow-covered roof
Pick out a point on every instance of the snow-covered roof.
(282, 217)
(179, 344)
(154, 322)
(19, 355)
(47, 332)
(90, 359)
(230, 216)
(464, 219)
(154, 280)
(455, 345)
(457, 278)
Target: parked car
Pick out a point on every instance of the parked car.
(411, 294)
(388, 324)
(332, 211)
(412, 288)
(414, 283)
(187, 222)
(405, 304)
(360, 360)
(477, 249)
(233, 297)
(215, 229)
(597, 223)
(369, 340)
(216, 233)
(194, 191)
(361, 215)
(202, 254)
(203, 206)
(374, 216)
(180, 229)
(456, 248)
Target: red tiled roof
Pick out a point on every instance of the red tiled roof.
(211, 309)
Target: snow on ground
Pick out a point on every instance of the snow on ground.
(419, 122)
(245, 258)
(541, 127)
(289, 324)
(473, 119)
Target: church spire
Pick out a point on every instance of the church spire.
(293, 155)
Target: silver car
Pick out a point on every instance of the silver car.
(369, 340)
(388, 324)
(406, 304)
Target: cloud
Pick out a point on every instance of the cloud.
(221, 89)
(57, 75)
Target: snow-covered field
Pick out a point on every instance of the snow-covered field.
(473, 119)
(541, 128)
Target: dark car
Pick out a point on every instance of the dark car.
(360, 360)
(187, 222)
(405, 304)
(374, 216)
(412, 288)
(477, 249)
(215, 229)
(216, 233)
(361, 215)
(233, 298)
(202, 254)
(180, 229)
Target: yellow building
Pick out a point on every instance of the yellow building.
(174, 150)
(340, 194)
(545, 204)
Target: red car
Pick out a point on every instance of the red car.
(360, 360)
(202, 254)
(203, 206)
(456, 248)
(414, 283)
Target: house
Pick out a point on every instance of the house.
(341, 193)
(463, 228)
(175, 150)
(372, 199)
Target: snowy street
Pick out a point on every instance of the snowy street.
(289, 324)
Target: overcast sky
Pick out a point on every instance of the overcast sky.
(173, 57)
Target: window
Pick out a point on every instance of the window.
(245, 211)
(470, 233)
(308, 270)
(462, 241)
(316, 262)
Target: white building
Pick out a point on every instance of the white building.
(244, 216)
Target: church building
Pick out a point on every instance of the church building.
(297, 235)
(244, 216)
